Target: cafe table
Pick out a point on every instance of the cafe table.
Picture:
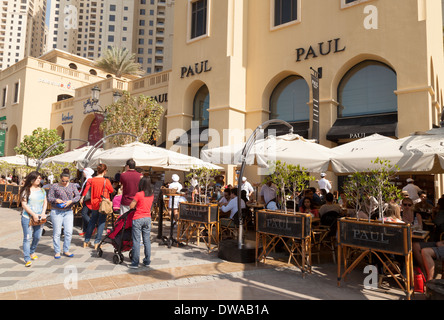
(420, 235)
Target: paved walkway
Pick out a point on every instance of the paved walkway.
(188, 272)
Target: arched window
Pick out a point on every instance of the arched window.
(73, 66)
(368, 88)
(289, 100)
(93, 72)
(200, 106)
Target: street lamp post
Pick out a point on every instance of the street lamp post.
(237, 252)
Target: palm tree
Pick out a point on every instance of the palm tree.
(119, 61)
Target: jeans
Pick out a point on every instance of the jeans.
(61, 218)
(99, 219)
(86, 213)
(142, 227)
(31, 237)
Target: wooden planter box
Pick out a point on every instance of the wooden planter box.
(292, 229)
(194, 218)
(378, 239)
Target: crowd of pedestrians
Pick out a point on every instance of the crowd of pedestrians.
(131, 191)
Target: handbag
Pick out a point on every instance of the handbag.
(106, 205)
(36, 223)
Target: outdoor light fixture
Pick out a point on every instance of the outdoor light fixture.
(116, 96)
(95, 94)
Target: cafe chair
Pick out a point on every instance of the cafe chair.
(2, 191)
(324, 235)
(228, 229)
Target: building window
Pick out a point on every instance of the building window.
(289, 100)
(201, 105)
(4, 95)
(16, 92)
(368, 88)
(285, 11)
(350, 3)
(199, 13)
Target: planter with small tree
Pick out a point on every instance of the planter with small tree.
(292, 229)
(375, 237)
(200, 220)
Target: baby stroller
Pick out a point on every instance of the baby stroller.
(121, 237)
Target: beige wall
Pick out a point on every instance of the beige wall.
(41, 82)
(248, 58)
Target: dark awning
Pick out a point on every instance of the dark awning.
(300, 128)
(360, 127)
(185, 139)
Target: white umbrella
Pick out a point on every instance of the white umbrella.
(146, 155)
(72, 156)
(362, 144)
(289, 148)
(19, 160)
(415, 153)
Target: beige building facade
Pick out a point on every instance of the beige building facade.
(382, 67)
(237, 64)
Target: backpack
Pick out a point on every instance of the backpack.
(419, 280)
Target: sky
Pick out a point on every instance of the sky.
(48, 8)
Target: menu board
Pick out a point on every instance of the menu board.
(198, 213)
(296, 226)
(388, 237)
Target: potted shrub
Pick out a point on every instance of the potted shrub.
(289, 180)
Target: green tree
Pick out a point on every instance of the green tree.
(289, 180)
(373, 183)
(35, 144)
(119, 61)
(137, 115)
(204, 177)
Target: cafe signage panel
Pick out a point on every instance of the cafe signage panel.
(384, 237)
(287, 225)
(198, 213)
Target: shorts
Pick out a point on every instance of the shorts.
(439, 251)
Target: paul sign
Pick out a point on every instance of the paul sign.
(322, 49)
(198, 68)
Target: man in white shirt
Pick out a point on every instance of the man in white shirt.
(247, 187)
(226, 198)
(324, 183)
(232, 205)
(268, 193)
(413, 190)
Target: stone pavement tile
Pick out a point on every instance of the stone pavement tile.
(30, 294)
(160, 294)
(83, 287)
(123, 280)
(102, 284)
(55, 292)
(11, 295)
(152, 276)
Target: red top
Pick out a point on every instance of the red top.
(130, 183)
(96, 185)
(143, 207)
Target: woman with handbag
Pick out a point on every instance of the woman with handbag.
(100, 187)
(85, 200)
(62, 196)
(33, 200)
